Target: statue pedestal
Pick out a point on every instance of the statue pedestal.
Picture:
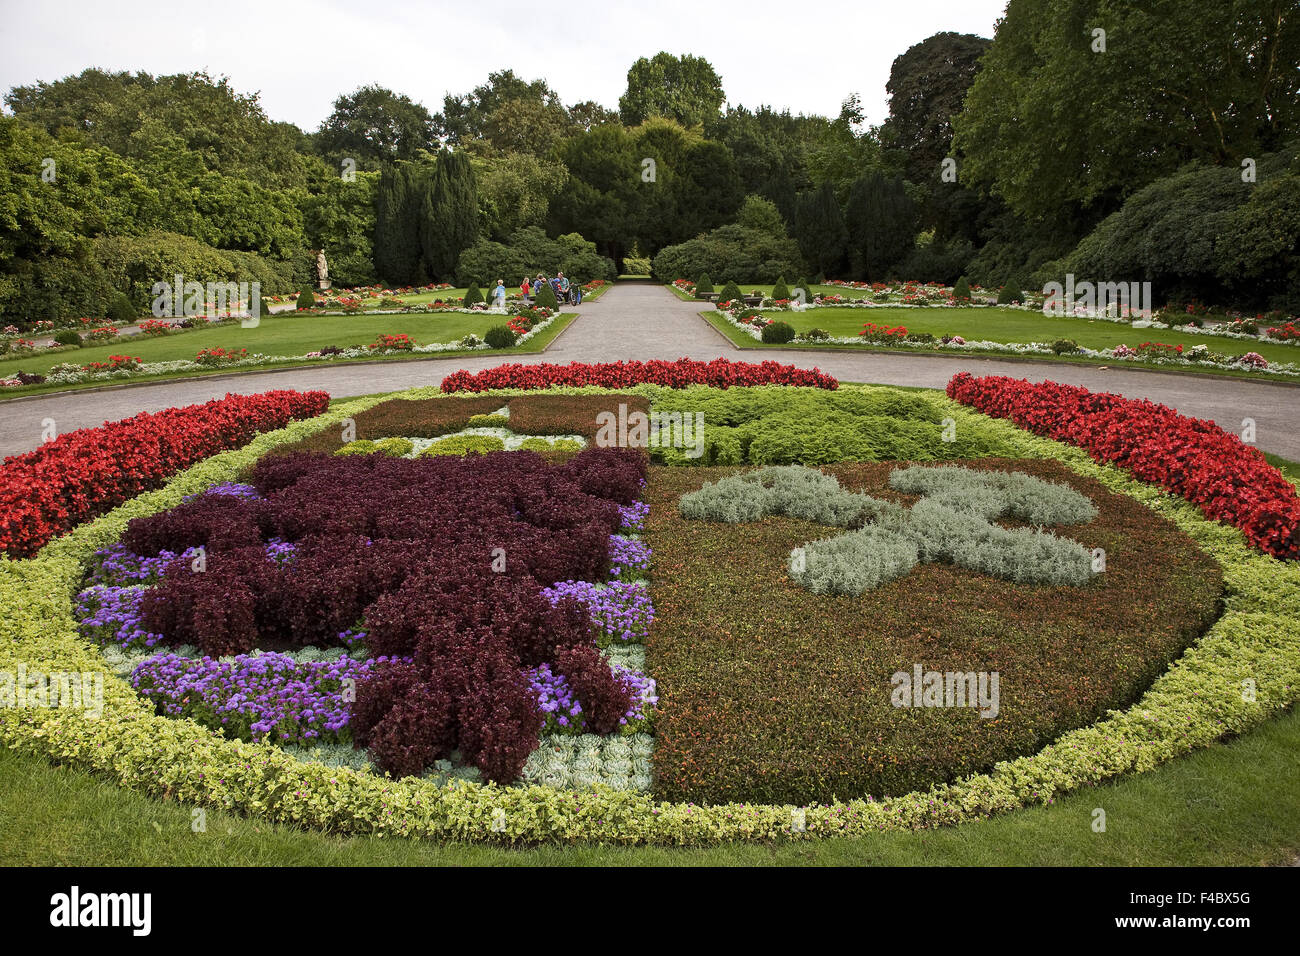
(323, 285)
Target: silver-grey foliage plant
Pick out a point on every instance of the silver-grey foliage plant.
(952, 523)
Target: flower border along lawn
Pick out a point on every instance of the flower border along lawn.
(536, 345)
(1196, 702)
(927, 319)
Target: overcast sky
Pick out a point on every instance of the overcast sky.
(300, 55)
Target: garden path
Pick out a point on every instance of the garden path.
(644, 321)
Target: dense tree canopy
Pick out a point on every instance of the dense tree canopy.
(1058, 126)
(683, 88)
(1116, 138)
(374, 126)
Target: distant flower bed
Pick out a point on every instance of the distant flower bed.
(720, 373)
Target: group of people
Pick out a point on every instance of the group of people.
(566, 292)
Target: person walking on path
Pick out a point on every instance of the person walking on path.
(524, 289)
(499, 295)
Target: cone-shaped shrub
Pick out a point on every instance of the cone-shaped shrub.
(545, 298)
(120, 310)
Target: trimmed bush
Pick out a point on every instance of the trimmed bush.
(120, 310)
(545, 298)
(1010, 293)
(306, 299)
(705, 284)
(730, 293)
(67, 337)
(961, 290)
(779, 291)
(473, 295)
(1065, 346)
(464, 445)
(499, 337)
(778, 332)
(489, 421)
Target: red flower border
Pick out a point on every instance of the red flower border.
(83, 474)
(719, 373)
(1227, 479)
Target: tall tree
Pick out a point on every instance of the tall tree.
(450, 216)
(466, 117)
(400, 199)
(189, 119)
(819, 229)
(374, 126)
(600, 199)
(683, 88)
(881, 224)
(927, 86)
(1164, 83)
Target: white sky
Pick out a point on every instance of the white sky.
(300, 55)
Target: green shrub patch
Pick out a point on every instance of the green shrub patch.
(807, 426)
(772, 693)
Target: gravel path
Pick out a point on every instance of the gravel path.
(647, 321)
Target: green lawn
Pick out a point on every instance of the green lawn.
(1233, 804)
(1000, 325)
(282, 335)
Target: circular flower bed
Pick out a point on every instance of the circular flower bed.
(1198, 699)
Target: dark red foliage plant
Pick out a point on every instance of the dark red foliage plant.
(440, 561)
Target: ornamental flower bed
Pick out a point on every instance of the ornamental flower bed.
(1227, 479)
(100, 333)
(392, 343)
(883, 333)
(409, 569)
(115, 363)
(89, 471)
(216, 356)
(719, 373)
(256, 696)
(1191, 705)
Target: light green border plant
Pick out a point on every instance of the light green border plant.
(1201, 698)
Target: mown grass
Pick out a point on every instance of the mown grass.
(1234, 804)
(285, 334)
